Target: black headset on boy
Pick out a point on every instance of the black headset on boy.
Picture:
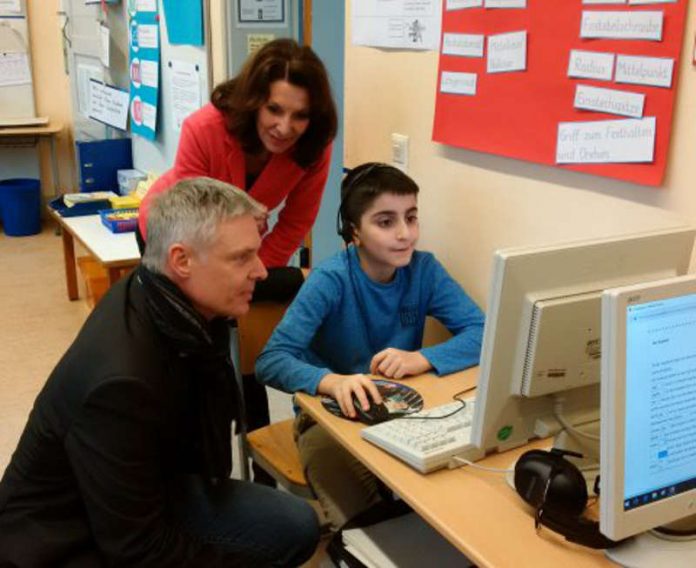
(344, 228)
(557, 490)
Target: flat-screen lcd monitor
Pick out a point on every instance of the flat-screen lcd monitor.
(540, 360)
(648, 414)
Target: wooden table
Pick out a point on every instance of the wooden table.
(476, 511)
(114, 251)
(23, 135)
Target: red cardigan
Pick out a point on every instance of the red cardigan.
(206, 148)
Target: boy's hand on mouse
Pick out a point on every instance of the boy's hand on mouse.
(396, 363)
(342, 387)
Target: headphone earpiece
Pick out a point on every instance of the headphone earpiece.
(557, 490)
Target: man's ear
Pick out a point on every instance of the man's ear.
(179, 260)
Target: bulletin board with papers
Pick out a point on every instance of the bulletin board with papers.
(586, 85)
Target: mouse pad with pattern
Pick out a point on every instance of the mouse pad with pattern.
(397, 397)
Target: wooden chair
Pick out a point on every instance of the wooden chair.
(271, 447)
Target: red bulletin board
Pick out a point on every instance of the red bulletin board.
(517, 114)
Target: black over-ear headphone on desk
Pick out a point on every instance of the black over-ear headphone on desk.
(557, 490)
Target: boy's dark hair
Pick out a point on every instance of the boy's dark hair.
(240, 98)
(362, 186)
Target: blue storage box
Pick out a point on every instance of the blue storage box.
(120, 220)
(79, 209)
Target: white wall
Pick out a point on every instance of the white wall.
(473, 203)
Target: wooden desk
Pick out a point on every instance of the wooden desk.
(475, 510)
(114, 251)
(22, 135)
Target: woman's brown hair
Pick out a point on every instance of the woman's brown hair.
(240, 98)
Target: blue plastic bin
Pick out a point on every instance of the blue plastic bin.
(20, 206)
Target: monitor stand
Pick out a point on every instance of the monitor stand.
(659, 548)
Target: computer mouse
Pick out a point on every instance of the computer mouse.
(374, 415)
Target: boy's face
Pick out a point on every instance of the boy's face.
(387, 235)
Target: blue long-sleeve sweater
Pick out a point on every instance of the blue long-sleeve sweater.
(341, 318)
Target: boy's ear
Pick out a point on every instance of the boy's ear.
(179, 260)
(354, 233)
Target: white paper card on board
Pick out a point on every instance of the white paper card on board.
(638, 70)
(611, 101)
(507, 52)
(458, 83)
(605, 24)
(644, 2)
(591, 65)
(149, 73)
(108, 104)
(606, 141)
(14, 69)
(505, 3)
(464, 45)
(460, 4)
(147, 36)
(149, 116)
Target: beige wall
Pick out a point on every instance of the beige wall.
(473, 203)
(51, 83)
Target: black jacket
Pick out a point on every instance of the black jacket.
(118, 417)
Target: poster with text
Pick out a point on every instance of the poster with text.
(144, 48)
(580, 85)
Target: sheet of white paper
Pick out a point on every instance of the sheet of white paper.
(10, 7)
(402, 24)
(458, 83)
(603, 1)
(655, 71)
(108, 105)
(149, 73)
(147, 36)
(611, 101)
(149, 116)
(146, 5)
(84, 74)
(505, 3)
(104, 37)
(621, 25)
(507, 52)
(14, 69)
(185, 87)
(459, 4)
(269, 13)
(591, 65)
(606, 141)
(643, 2)
(466, 45)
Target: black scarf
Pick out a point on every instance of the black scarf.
(203, 347)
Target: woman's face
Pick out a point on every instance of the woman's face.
(284, 117)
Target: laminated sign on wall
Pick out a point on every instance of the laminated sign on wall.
(144, 67)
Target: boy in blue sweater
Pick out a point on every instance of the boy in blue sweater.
(363, 312)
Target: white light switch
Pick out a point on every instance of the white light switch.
(400, 151)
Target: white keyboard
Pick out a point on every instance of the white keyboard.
(425, 445)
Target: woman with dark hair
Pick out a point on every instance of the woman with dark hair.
(267, 131)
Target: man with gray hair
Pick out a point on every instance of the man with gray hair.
(126, 457)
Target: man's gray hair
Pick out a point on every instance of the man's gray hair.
(190, 213)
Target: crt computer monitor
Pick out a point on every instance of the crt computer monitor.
(541, 346)
(648, 432)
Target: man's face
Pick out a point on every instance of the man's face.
(221, 279)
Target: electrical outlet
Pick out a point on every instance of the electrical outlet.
(399, 144)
